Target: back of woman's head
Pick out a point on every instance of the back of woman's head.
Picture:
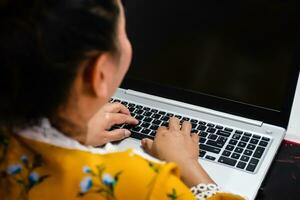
(42, 44)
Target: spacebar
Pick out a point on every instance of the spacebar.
(139, 136)
(209, 148)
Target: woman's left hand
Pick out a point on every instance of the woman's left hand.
(98, 130)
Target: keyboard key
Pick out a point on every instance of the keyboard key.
(222, 139)
(219, 127)
(210, 148)
(251, 146)
(212, 136)
(202, 123)
(178, 116)
(130, 105)
(139, 117)
(146, 131)
(145, 125)
(147, 114)
(241, 165)
(166, 124)
(236, 136)
(139, 112)
(239, 132)
(251, 167)
(128, 126)
(229, 147)
(140, 136)
(228, 129)
(227, 161)
(186, 119)
(156, 122)
(153, 133)
(154, 110)
(258, 152)
(254, 141)
(148, 119)
(210, 125)
(248, 152)
(202, 153)
(254, 161)
(215, 143)
(235, 156)
(223, 133)
(124, 103)
(139, 107)
(256, 137)
(154, 127)
(233, 142)
(131, 109)
(161, 112)
(194, 121)
(194, 125)
(201, 128)
(156, 116)
(146, 109)
(238, 150)
(202, 140)
(263, 143)
(170, 114)
(245, 139)
(226, 153)
(210, 157)
(165, 118)
(244, 158)
(242, 144)
(211, 130)
(247, 134)
(266, 139)
(136, 129)
(203, 134)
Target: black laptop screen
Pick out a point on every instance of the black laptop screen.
(237, 50)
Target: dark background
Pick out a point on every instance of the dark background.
(283, 179)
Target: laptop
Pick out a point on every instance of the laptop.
(228, 67)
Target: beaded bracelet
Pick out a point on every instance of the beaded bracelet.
(203, 191)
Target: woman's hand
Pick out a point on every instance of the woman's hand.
(110, 114)
(177, 144)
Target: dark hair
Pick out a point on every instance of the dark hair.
(42, 44)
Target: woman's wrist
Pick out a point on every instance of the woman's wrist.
(192, 174)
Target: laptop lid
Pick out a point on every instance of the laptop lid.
(237, 57)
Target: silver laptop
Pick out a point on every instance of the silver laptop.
(227, 67)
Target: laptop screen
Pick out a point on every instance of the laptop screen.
(242, 51)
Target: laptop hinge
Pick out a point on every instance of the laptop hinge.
(195, 108)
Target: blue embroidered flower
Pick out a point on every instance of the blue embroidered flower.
(108, 180)
(14, 169)
(86, 169)
(33, 178)
(86, 184)
(24, 159)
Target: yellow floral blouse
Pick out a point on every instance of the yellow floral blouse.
(35, 170)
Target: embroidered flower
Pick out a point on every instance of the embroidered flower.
(33, 178)
(108, 180)
(86, 184)
(14, 169)
(86, 169)
(24, 159)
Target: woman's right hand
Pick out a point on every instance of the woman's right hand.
(177, 144)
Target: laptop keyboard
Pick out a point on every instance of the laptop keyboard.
(218, 143)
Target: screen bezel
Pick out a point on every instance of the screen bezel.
(278, 118)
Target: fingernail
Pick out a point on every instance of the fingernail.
(127, 133)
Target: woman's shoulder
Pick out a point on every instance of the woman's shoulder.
(42, 167)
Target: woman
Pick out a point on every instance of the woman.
(61, 61)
